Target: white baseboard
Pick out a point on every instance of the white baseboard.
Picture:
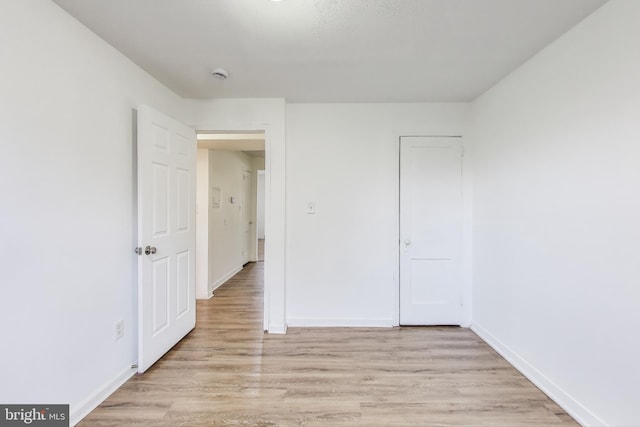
(215, 285)
(581, 414)
(78, 412)
(203, 297)
(339, 323)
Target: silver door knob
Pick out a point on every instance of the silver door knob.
(149, 250)
(407, 242)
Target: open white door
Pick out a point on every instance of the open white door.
(430, 231)
(166, 234)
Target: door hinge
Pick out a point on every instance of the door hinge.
(462, 151)
(138, 250)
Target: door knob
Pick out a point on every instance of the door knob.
(149, 250)
(407, 242)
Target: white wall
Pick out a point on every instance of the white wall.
(257, 164)
(226, 237)
(556, 209)
(268, 115)
(342, 262)
(203, 203)
(67, 214)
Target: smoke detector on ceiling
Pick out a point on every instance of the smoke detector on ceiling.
(220, 73)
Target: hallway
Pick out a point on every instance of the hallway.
(227, 372)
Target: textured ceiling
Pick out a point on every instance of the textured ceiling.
(331, 50)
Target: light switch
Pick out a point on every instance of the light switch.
(311, 208)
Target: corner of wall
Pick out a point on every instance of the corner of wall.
(84, 408)
(567, 402)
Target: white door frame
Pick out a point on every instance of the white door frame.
(267, 197)
(466, 226)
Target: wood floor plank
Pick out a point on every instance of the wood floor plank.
(227, 372)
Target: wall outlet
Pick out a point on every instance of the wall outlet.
(118, 330)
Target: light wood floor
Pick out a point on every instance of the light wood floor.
(227, 372)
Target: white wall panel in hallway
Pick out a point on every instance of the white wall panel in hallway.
(246, 217)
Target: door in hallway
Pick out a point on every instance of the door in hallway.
(260, 204)
(246, 217)
(430, 231)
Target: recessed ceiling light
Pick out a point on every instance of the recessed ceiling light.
(220, 73)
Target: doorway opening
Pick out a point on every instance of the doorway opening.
(227, 214)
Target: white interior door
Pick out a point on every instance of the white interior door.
(246, 216)
(166, 234)
(430, 231)
(260, 204)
